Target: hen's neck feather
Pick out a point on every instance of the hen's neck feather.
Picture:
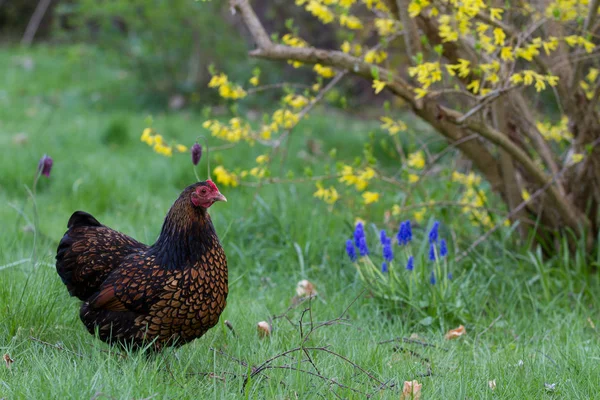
(186, 234)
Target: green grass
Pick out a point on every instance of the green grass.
(82, 111)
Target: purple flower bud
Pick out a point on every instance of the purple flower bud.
(432, 279)
(45, 165)
(384, 267)
(196, 153)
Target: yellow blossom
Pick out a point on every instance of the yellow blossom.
(506, 54)
(370, 197)
(263, 158)
(385, 26)
(395, 210)
(416, 160)
(181, 148)
(525, 195)
(419, 216)
(499, 36)
(393, 127)
(328, 195)
(254, 81)
(413, 178)
(351, 22)
(325, 72)
(225, 177)
(162, 149)
(346, 47)
(378, 86)
(496, 13)
(576, 158)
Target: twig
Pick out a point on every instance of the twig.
(56, 346)
(498, 318)
(241, 362)
(34, 22)
(330, 380)
(276, 86)
(484, 102)
(413, 341)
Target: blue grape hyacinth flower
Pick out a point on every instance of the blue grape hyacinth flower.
(362, 247)
(404, 233)
(410, 265)
(443, 248)
(431, 252)
(351, 250)
(384, 267)
(432, 278)
(388, 254)
(433, 233)
(359, 232)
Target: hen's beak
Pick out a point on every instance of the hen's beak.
(220, 197)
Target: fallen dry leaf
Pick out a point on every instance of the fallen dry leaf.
(455, 333)
(305, 288)
(264, 329)
(8, 360)
(411, 390)
(492, 384)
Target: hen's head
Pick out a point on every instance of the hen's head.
(205, 194)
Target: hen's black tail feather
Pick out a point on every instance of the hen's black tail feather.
(81, 218)
(66, 264)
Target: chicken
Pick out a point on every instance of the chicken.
(167, 294)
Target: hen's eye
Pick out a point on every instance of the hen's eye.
(203, 191)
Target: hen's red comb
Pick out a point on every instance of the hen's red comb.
(212, 185)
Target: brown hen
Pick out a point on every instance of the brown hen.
(166, 294)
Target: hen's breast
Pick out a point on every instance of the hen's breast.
(191, 301)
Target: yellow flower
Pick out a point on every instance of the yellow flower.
(320, 11)
(385, 26)
(474, 86)
(325, 72)
(378, 85)
(254, 81)
(181, 148)
(351, 22)
(419, 215)
(217, 80)
(576, 158)
(147, 137)
(393, 127)
(507, 54)
(420, 93)
(496, 13)
(370, 197)
(499, 36)
(525, 194)
(162, 149)
(296, 101)
(416, 160)
(346, 47)
(395, 210)
(413, 178)
(225, 177)
(263, 158)
(329, 195)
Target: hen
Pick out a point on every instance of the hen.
(166, 294)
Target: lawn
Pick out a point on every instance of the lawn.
(531, 325)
